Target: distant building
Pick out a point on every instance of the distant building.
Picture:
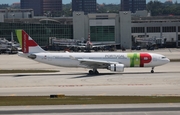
(113, 28)
(124, 5)
(36, 5)
(168, 2)
(133, 5)
(15, 5)
(52, 5)
(87, 6)
(42, 6)
(40, 29)
(17, 14)
(1, 17)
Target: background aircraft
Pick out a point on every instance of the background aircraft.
(79, 45)
(10, 47)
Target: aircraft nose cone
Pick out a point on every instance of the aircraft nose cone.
(166, 61)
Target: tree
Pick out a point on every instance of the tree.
(168, 8)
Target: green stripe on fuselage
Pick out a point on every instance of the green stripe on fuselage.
(134, 59)
(19, 36)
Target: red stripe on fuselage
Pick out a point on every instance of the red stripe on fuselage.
(26, 43)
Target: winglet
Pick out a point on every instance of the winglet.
(27, 44)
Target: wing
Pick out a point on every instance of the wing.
(96, 63)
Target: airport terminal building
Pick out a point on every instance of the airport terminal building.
(122, 28)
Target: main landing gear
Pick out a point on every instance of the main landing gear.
(152, 71)
(93, 72)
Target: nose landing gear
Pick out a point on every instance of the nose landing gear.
(152, 71)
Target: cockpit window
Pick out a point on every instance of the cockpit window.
(163, 57)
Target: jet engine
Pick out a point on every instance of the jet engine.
(116, 67)
(32, 56)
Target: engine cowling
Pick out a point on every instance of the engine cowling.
(116, 67)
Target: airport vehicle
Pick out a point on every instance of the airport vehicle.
(115, 62)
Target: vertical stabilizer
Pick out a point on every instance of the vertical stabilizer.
(27, 44)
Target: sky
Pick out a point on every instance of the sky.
(68, 1)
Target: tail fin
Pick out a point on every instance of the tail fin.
(27, 44)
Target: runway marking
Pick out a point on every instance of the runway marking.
(77, 85)
(70, 85)
(138, 84)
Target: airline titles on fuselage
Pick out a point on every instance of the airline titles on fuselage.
(115, 57)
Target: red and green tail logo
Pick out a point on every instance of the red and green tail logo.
(25, 41)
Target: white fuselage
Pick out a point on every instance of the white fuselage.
(127, 59)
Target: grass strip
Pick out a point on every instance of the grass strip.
(27, 71)
(78, 100)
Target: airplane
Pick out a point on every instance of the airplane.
(88, 46)
(115, 62)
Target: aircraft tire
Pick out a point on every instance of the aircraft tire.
(91, 72)
(152, 71)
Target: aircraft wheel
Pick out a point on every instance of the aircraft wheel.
(152, 71)
(91, 72)
(95, 72)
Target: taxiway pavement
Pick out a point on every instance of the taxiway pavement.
(75, 81)
(119, 109)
